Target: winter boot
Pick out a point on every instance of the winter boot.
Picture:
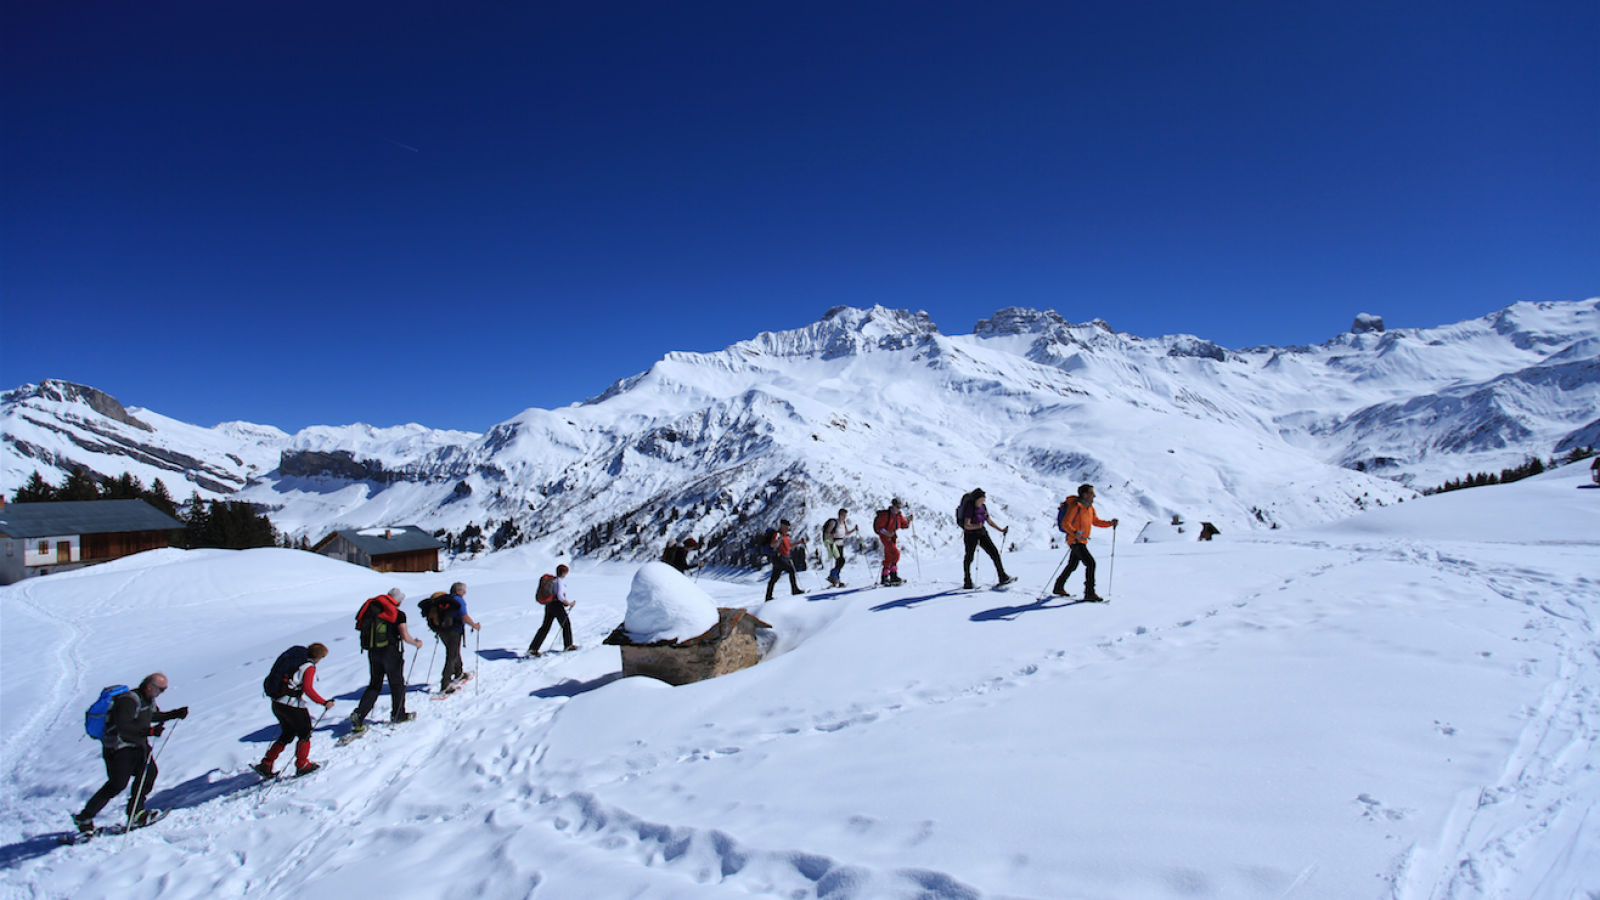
(358, 723)
(306, 768)
(85, 825)
(1006, 579)
(571, 647)
(264, 770)
(400, 718)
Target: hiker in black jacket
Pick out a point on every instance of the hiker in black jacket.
(125, 747)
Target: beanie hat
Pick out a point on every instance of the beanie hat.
(397, 595)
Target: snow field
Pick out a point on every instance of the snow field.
(1385, 707)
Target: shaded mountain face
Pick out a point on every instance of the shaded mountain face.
(867, 404)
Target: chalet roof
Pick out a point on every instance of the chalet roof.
(32, 520)
(372, 542)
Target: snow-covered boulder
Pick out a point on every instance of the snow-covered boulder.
(663, 605)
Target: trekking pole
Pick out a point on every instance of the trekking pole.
(417, 656)
(138, 790)
(1045, 594)
(477, 688)
(1111, 571)
(915, 553)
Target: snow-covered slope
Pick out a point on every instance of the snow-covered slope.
(1404, 704)
(866, 404)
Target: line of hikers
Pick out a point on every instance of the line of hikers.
(124, 720)
(1075, 518)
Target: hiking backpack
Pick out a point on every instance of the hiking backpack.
(547, 589)
(964, 511)
(1061, 515)
(375, 621)
(880, 521)
(276, 684)
(94, 721)
(762, 543)
(830, 529)
(439, 611)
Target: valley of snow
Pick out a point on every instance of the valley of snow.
(1402, 704)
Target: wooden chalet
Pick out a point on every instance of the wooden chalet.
(395, 549)
(41, 538)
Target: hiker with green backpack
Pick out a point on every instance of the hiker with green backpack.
(382, 624)
(125, 721)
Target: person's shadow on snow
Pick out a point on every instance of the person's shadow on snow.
(1010, 613)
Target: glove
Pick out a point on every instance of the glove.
(156, 729)
(181, 712)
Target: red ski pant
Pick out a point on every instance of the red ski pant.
(891, 553)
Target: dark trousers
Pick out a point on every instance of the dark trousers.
(385, 663)
(123, 766)
(980, 538)
(452, 656)
(554, 611)
(1080, 554)
(780, 565)
(294, 724)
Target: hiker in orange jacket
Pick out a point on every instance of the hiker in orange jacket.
(1077, 519)
(887, 524)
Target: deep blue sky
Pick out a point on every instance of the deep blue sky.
(301, 213)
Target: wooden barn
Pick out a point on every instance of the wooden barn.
(396, 549)
(41, 538)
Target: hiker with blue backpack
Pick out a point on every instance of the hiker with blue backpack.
(126, 720)
(973, 516)
(290, 683)
(1076, 519)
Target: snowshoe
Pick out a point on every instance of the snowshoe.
(264, 770)
(306, 769)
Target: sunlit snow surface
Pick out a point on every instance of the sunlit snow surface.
(1404, 704)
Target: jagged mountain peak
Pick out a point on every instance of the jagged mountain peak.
(56, 391)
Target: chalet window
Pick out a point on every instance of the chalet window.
(44, 547)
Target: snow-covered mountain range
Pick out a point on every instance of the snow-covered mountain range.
(865, 404)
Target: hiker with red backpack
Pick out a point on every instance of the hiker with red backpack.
(887, 524)
(1077, 518)
(552, 595)
(133, 718)
(382, 624)
(973, 515)
(781, 550)
(290, 684)
(447, 617)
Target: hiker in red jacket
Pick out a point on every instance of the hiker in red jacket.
(782, 561)
(1077, 520)
(294, 717)
(886, 524)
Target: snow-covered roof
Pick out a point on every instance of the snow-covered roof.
(30, 520)
(401, 539)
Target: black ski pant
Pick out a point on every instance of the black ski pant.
(1080, 554)
(780, 565)
(385, 663)
(980, 538)
(123, 766)
(554, 611)
(294, 723)
(452, 656)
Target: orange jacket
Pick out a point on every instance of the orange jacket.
(1076, 519)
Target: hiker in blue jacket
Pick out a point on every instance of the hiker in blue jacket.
(134, 718)
(454, 632)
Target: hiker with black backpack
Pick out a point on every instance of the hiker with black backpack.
(834, 531)
(382, 624)
(447, 617)
(552, 595)
(973, 515)
(781, 550)
(887, 524)
(290, 684)
(132, 719)
(1077, 518)
(677, 555)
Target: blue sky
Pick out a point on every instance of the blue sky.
(302, 213)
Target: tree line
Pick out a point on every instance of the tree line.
(218, 524)
(1530, 467)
